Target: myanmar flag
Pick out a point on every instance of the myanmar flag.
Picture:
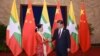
(13, 33)
(84, 33)
(72, 27)
(28, 32)
(46, 26)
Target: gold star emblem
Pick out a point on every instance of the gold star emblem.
(82, 11)
(26, 21)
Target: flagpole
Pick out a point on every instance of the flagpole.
(44, 1)
(29, 1)
(56, 1)
(82, 0)
(22, 2)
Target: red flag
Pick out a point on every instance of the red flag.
(58, 16)
(29, 31)
(84, 35)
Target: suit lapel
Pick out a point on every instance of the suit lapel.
(62, 32)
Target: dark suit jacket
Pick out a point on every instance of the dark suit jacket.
(64, 41)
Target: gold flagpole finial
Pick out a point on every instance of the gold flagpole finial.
(56, 1)
(82, 0)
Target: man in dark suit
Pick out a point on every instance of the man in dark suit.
(62, 37)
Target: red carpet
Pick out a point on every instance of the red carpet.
(94, 51)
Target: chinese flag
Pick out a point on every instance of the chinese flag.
(28, 32)
(84, 33)
(58, 16)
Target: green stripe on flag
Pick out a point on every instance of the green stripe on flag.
(49, 28)
(13, 19)
(18, 38)
(47, 35)
(43, 19)
(75, 36)
(19, 28)
(70, 20)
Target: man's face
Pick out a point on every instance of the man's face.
(59, 25)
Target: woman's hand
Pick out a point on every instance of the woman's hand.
(45, 41)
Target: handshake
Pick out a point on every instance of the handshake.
(45, 41)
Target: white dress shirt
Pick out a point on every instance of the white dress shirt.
(60, 31)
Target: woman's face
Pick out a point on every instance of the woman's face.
(41, 29)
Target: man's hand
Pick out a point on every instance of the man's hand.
(68, 49)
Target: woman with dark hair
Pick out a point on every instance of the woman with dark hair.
(41, 41)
